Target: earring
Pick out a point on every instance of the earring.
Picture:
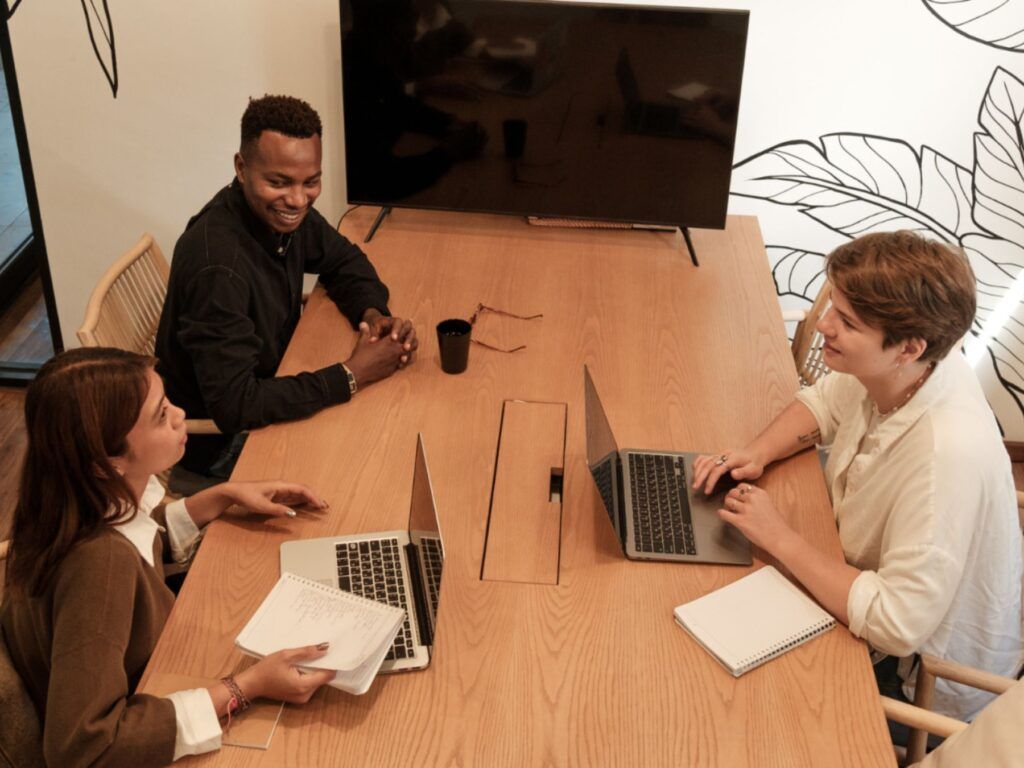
(899, 370)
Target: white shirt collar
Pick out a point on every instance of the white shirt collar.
(142, 528)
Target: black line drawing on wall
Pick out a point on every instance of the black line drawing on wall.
(106, 28)
(797, 273)
(9, 11)
(855, 183)
(998, 23)
(105, 50)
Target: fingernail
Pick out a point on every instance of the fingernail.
(323, 646)
(290, 512)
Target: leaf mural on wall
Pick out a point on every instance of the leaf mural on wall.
(10, 9)
(999, 159)
(858, 183)
(105, 50)
(797, 273)
(98, 25)
(999, 23)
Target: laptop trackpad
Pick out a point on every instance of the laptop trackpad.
(725, 484)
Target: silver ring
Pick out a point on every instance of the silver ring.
(721, 460)
(744, 489)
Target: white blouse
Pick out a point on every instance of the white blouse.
(198, 728)
(927, 510)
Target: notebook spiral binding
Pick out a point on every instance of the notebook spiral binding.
(334, 590)
(745, 665)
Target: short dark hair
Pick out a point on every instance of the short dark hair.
(908, 287)
(283, 114)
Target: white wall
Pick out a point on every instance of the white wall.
(107, 169)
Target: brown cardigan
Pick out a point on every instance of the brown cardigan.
(81, 648)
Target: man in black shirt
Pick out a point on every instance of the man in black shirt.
(235, 292)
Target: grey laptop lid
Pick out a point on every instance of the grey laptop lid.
(425, 536)
(715, 541)
(603, 457)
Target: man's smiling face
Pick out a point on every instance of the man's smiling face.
(280, 177)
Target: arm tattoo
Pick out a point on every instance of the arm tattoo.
(810, 437)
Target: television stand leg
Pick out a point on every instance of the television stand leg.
(377, 222)
(689, 245)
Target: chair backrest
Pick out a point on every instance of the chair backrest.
(21, 739)
(922, 720)
(807, 341)
(124, 309)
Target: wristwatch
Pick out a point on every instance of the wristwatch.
(351, 380)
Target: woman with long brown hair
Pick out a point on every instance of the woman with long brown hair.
(85, 597)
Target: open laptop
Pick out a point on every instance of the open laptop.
(647, 494)
(399, 568)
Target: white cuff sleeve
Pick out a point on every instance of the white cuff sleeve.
(198, 726)
(897, 608)
(862, 592)
(181, 531)
(811, 398)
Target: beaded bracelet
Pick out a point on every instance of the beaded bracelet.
(240, 700)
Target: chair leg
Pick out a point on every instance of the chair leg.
(924, 690)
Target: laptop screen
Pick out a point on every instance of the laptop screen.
(425, 534)
(602, 457)
(422, 511)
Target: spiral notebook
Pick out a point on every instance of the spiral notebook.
(753, 620)
(300, 612)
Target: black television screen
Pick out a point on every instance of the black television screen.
(541, 108)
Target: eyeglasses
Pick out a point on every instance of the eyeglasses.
(481, 308)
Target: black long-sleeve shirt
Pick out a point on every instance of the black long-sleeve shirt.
(233, 302)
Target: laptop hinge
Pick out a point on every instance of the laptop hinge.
(619, 492)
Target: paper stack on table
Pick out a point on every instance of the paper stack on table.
(300, 612)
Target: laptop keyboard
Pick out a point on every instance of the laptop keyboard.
(433, 563)
(373, 569)
(661, 511)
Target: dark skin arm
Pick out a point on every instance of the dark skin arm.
(385, 344)
(381, 326)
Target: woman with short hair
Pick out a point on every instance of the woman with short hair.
(85, 600)
(921, 484)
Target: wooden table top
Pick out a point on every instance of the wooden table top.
(592, 670)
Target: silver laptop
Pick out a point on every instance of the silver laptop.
(400, 568)
(647, 494)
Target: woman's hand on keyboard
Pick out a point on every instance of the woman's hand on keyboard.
(750, 509)
(743, 465)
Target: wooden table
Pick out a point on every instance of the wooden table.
(592, 670)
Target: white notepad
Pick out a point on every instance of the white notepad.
(752, 620)
(300, 612)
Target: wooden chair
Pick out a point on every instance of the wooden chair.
(920, 719)
(124, 309)
(807, 342)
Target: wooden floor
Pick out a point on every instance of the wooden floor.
(12, 449)
(25, 329)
